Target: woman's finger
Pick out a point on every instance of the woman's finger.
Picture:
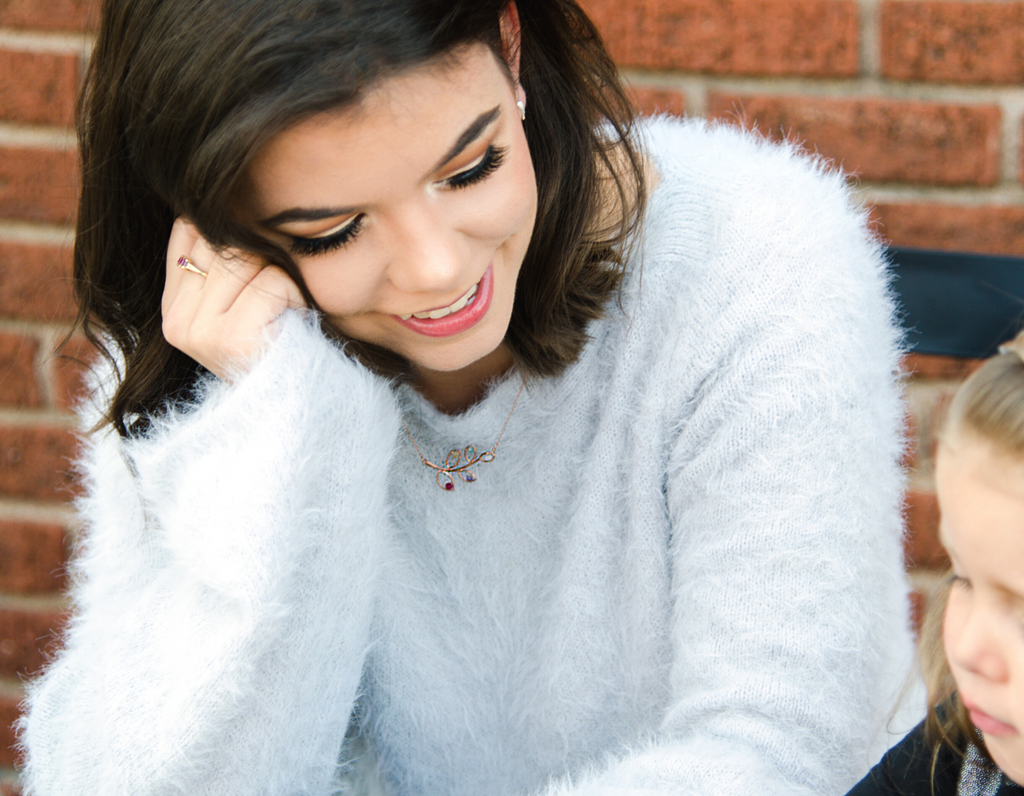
(220, 308)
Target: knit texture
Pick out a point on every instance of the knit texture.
(681, 574)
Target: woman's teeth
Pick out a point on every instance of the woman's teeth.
(443, 311)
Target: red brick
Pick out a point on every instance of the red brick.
(953, 42)
(9, 712)
(38, 184)
(35, 282)
(26, 637)
(35, 462)
(50, 14)
(38, 88)
(930, 366)
(651, 101)
(910, 429)
(922, 547)
(69, 368)
(881, 140)
(18, 384)
(988, 229)
(918, 605)
(33, 557)
(748, 37)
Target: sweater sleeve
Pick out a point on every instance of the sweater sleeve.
(224, 590)
(789, 632)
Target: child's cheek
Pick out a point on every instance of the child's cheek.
(952, 629)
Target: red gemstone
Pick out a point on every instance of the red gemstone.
(449, 486)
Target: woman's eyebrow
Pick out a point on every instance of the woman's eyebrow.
(306, 214)
(469, 135)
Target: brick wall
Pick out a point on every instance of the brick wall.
(919, 100)
(43, 44)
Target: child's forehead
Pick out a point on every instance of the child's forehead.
(972, 457)
(981, 502)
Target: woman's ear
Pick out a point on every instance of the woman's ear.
(510, 38)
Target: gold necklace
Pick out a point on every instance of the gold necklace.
(458, 462)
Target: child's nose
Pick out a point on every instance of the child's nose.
(977, 646)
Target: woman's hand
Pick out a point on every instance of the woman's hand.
(221, 319)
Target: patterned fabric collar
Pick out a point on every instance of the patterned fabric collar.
(979, 777)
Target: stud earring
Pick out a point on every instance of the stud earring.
(522, 109)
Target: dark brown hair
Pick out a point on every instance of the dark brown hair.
(990, 406)
(180, 96)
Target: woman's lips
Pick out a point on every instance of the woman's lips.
(460, 319)
(987, 724)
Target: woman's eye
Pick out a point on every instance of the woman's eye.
(310, 247)
(487, 165)
(484, 168)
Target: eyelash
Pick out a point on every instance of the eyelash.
(489, 163)
(311, 247)
(956, 580)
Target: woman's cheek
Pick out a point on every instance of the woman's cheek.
(506, 206)
(498, 215)
(335, 288)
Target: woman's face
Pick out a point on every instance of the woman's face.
(410, 213)
(981, 492)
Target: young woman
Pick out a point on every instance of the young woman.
(972, 642)
(460, 435)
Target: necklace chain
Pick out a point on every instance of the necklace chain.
(458, 462)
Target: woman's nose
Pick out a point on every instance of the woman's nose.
(977, 646)
(429, 255)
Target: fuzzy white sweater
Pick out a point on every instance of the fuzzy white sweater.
(682, 573)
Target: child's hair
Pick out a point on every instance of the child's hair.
(989, 405)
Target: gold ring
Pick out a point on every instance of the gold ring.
(186, 264)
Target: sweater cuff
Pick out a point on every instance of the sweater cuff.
(250, 469)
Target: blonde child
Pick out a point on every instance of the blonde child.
(972, 642)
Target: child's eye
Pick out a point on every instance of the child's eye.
(488, 164)
(310, 247)
(955, 581)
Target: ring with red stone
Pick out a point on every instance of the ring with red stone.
(186, 264)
